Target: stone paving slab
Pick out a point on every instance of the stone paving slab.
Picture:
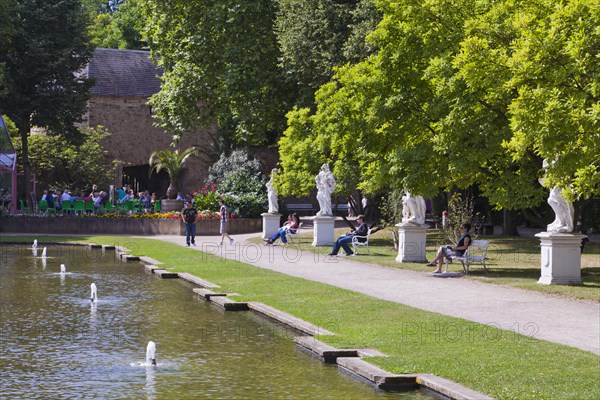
(197, 281)
(325, 352)
(450, 389)
(288, 319)
(228, 304)
(164, 274)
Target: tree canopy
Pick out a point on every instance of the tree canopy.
(47, 44)
(457, 95)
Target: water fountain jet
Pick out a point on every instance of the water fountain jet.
(44, 253)
(151, 353)
(34, 245)
(94, 295)
(63, 269)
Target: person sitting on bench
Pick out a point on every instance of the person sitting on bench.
(343, 240)
(448, 251)
(291, 226)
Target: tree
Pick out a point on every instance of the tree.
(556, 114)
(117, 25)
(317, 36)
(433, 108)
(173, 163)
(60, 164)
(221, 64)
(48, 46)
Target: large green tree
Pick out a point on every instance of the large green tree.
(221, 64)
(433, 108)
(48, 46)
(317, 36)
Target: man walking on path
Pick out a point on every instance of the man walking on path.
(188, 216)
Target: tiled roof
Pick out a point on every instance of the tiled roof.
(123, 73)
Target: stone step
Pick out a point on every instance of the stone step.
(288, 319)
(197, 281)
(323, 351)
(228, 304)
(164, 274)
(379, 377)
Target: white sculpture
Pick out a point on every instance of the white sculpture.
(564, 211)
(272, 195)
(413, 209)
(563, 223)
(325, 185)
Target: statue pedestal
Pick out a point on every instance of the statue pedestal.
(411, 243)
(270, 224)
(323, 229)
(561, 258)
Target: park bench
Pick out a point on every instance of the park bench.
(300, 208)
(295, 237)
(356, 241)
(476, 253)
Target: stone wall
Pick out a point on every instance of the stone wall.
(121, 226)
(134, 137)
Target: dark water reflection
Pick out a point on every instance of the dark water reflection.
(55, 344)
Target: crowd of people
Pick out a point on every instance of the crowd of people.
(56, 199)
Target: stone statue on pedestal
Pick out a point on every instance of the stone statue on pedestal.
(325, 185)
(413, 209)
(271, 194)
(563, 222)
(564, 211)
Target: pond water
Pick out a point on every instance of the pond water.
(55, 343)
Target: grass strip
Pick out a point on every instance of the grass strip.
(502, 364)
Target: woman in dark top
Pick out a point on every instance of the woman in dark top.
(448, 251)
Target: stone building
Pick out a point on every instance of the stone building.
(124, 80)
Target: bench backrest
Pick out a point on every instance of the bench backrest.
(478, 247)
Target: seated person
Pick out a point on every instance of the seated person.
(448, 251)
(291, 226)
(343, 240)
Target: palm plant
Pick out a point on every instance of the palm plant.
(172, 162)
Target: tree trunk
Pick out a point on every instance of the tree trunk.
(509, 224)
(24, 128)
(171, 191)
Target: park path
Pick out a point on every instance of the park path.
(569, 322)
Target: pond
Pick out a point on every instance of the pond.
(56, 343)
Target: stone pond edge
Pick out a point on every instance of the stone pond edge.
(348, 360)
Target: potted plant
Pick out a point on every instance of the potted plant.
(172, 162)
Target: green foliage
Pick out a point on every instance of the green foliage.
(317, 36)
(460, 93)
(461, 209)
(59, 164)
(240, 182)
(117, 26)
(224, 56)
(172, 162)
(207, 198)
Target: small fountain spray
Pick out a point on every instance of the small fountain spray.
(44, 253)
(34, 245)
(151, 353)
(94, 295)
(63, 269)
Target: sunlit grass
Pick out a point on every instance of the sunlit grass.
(501, 364)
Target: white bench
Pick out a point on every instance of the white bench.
(356, 242)
(300, 207)
(476, 253)
(295, 237)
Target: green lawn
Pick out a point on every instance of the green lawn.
(513, 261)
(498, 363)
